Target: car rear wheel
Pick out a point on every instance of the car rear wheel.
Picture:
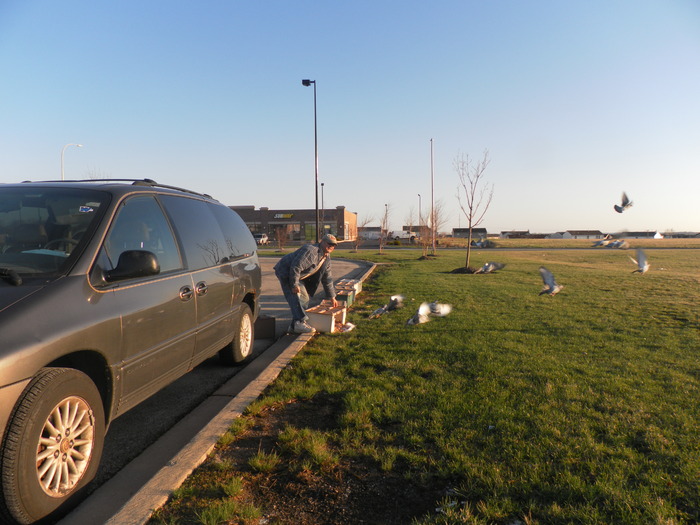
(243, 338)
(53, 443)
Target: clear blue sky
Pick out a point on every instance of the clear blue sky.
(576, 101)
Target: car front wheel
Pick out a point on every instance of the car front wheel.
(52, 445)
(243, 338)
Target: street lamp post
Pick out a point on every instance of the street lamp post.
(307, 83)
(385, 223)
(323, 211)
(63, 150)
(432, 196)
(420, 213)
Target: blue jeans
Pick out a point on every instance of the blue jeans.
(297, 302)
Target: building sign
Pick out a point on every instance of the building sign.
(284, 215)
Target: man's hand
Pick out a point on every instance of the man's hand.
(334, 302)
(296, 289)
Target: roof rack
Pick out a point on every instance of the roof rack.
(135, 182)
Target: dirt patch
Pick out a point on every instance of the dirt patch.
(465, 269)
(353, 491)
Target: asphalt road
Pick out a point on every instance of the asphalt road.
(134, 431)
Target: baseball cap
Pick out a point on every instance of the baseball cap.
(330, 239)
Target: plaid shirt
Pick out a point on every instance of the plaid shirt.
(304, 262)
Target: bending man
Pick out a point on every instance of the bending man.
(300, 272)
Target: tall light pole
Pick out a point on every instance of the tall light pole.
(307, 83)
(386, 220)
(432, 196)
(420, 213)
(63, 150)
(323, 211)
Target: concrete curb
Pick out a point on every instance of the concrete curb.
(131, 496)
(144, 485)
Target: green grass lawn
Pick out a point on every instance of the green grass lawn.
(578, 408)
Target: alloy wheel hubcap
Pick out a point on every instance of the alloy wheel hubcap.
(65, 446)
(246, 338)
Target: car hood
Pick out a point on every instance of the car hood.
(10, 294)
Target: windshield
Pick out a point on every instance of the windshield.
(40, 228)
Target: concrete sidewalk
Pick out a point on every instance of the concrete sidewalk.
(130, 496)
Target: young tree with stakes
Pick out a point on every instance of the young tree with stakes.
(477, 196)
(281, 235)
(361, 224)
(384, 227)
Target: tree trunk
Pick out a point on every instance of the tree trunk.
(469, 248)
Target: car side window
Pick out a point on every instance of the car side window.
(198, 230)
(141, 225)
(236, 233)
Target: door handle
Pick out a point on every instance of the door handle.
(201, 288)
(186, 293)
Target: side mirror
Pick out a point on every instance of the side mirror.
(132, 264)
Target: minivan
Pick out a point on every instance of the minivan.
(109, 291)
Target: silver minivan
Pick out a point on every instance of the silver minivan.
(109, 290)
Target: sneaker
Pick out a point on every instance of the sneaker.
(301, 327)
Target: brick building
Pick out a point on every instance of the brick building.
(300, 225)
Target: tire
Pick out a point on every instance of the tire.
(243, 338)
(43, 462)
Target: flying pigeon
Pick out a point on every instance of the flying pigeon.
(490, 267)
(620, 243)
(550, 285)
(626, 203)
(421, 316)
(640, 261)
(439, 310)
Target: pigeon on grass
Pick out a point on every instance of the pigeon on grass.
(427, 310)
(626, 203)
(395, 302)
(439, 309)
(490, 267)
(550, 285)
(421, 316)
(379, 312)
(641, 261)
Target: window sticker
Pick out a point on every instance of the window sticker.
(86, 209)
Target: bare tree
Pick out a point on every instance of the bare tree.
(362, 223)
(440, 216)
(410, 222)
(477, 196)
(281, 236)
(410, 219)
(435, 220)
(384, 227)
